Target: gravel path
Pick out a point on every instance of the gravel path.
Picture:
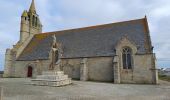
(20, 89)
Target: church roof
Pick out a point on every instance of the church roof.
(92, 41)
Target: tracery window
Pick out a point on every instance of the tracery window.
(36, 21)
(127, 58)
(33, 21)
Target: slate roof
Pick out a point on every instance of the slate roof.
(92, 41)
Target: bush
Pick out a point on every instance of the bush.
(162, 76)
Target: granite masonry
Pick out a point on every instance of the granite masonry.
(119, 52)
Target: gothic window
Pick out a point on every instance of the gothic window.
(36, 21)
(33, 20)
(127, 58)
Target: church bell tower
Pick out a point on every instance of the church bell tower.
(30, 23)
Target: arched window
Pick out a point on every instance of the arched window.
(36, 21)
(127, 58)
(33, 20)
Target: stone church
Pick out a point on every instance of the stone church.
(119, 52)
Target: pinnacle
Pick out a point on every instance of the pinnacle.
(24, 14)
(32, 7)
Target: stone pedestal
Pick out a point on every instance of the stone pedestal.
(52, 78)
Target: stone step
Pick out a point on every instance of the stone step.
(53, 73)
(61, 83)
(52, 83)
(52, 77)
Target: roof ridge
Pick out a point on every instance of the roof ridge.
(88, 27)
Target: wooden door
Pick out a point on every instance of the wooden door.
(29, 73)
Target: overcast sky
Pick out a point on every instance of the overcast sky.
(65, 14)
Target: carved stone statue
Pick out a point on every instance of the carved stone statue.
(55, 64)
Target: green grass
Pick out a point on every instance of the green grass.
(164, 77)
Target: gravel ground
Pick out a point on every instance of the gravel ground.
(20, 89)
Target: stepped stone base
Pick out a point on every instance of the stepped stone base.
(52, 78)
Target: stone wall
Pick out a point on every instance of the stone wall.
(99, 68)
(9, 63)
(71, 67)
(11, 55)
(141, 71)
(143, 65)
(21, 67)
(95, 69)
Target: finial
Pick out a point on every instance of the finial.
(32, 7)
(145, 17)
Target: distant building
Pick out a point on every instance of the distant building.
(117, 52)
(167, 70)
(164, 71)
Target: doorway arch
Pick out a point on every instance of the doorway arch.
(29, 71)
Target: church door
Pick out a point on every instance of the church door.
(29, 73)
